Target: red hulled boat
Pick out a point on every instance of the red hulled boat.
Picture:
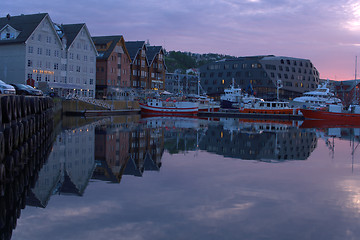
(334, 115)
(169, 107)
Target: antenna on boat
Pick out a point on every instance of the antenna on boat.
(278, 86)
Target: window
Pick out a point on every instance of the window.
(30, 64)
(39, 51)
(30, 49)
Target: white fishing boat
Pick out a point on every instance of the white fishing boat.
(268, 107)
(322, 96)
(206, 104)
(233, 97)
(169, 106)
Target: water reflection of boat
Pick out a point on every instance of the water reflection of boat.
(328, 124)
(166, 122)
(330, 134)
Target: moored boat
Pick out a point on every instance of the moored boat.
(268, 107)
(334, 114)
(233, 97)
(169, 106)
(321, 96)
(206, 104)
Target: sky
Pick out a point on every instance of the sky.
(327, 32)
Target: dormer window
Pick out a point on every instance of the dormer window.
(8, 33)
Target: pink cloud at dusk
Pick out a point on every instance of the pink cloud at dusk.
(325, 31)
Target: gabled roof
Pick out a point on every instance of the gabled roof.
(26, 24)
(132, 169)
(71, 31)
(113, 40)
(68, 187)
(133, 48)
(149, 163)
(151, 52)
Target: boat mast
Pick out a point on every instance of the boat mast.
(355, 101)
(198, 85)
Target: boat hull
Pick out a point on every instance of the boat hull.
(146, 109)
(226, 104)
(332, 117)
(209, 108)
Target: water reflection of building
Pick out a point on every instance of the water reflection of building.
(69, 166)
(259, 141)
(181, 134)
(126, 151)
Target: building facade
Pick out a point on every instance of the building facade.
(112, 67)
(139, 64)
(157, 67)
(30, 49)
(78, 62)
(259, 75)
(182, 83)
(35, 51)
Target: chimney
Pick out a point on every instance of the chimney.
(8, 17)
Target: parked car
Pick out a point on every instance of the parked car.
(22, 89)
(6, 88)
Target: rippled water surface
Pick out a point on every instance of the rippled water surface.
(163, 178)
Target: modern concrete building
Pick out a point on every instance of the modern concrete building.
(260, 74)
(36, 51)
(181, 83)
(112, 67)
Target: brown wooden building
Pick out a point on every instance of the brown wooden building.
(157, 68)
(112, 67)
(139, 64)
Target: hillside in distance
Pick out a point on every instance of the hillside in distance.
(184, 60)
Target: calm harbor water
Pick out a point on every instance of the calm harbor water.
(164, 178)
